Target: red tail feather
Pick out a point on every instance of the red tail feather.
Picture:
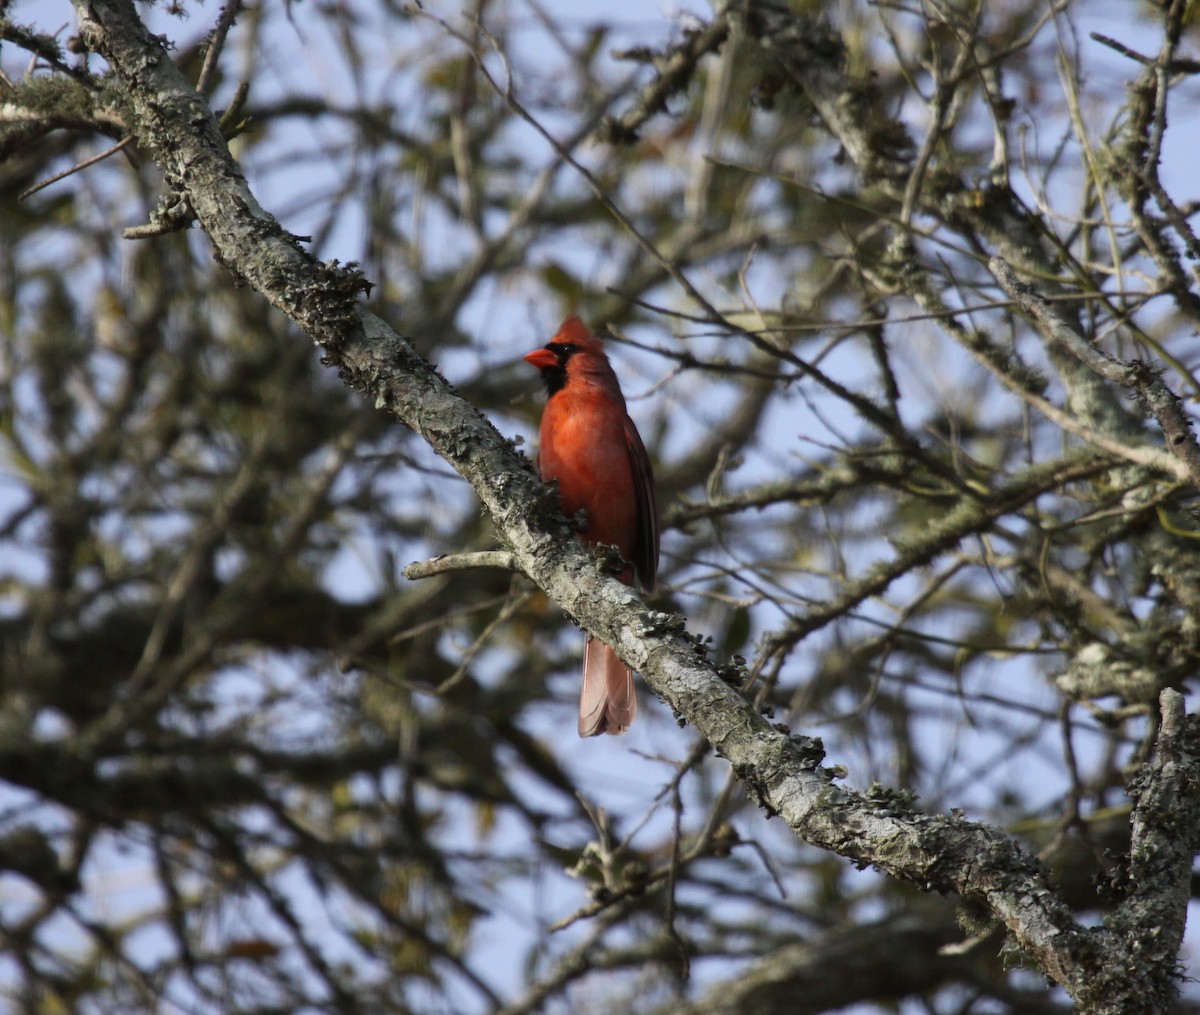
(608, 703)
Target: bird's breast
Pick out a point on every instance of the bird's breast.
(583, 447)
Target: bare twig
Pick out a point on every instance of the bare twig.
(76, 168)
(461, 562)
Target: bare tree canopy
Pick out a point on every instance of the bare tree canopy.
(903, 300)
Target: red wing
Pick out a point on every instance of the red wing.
(645, 547)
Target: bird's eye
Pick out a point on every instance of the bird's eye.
(563, 350)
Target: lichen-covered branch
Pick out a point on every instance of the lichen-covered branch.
(1137, 376)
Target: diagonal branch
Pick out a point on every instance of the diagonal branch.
(675, 72)
(1057, 330)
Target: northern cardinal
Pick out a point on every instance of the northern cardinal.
(590, 445)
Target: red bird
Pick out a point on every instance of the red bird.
(590, 445)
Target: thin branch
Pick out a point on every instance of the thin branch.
(75, 168)
(461, 562)
(216, 42)
(675, 73)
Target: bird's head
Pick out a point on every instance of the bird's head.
(571, 340)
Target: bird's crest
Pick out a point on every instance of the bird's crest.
(573, 331)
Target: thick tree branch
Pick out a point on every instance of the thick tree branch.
(1166, 835)
(879, 962)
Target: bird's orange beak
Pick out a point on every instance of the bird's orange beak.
(543, 359)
